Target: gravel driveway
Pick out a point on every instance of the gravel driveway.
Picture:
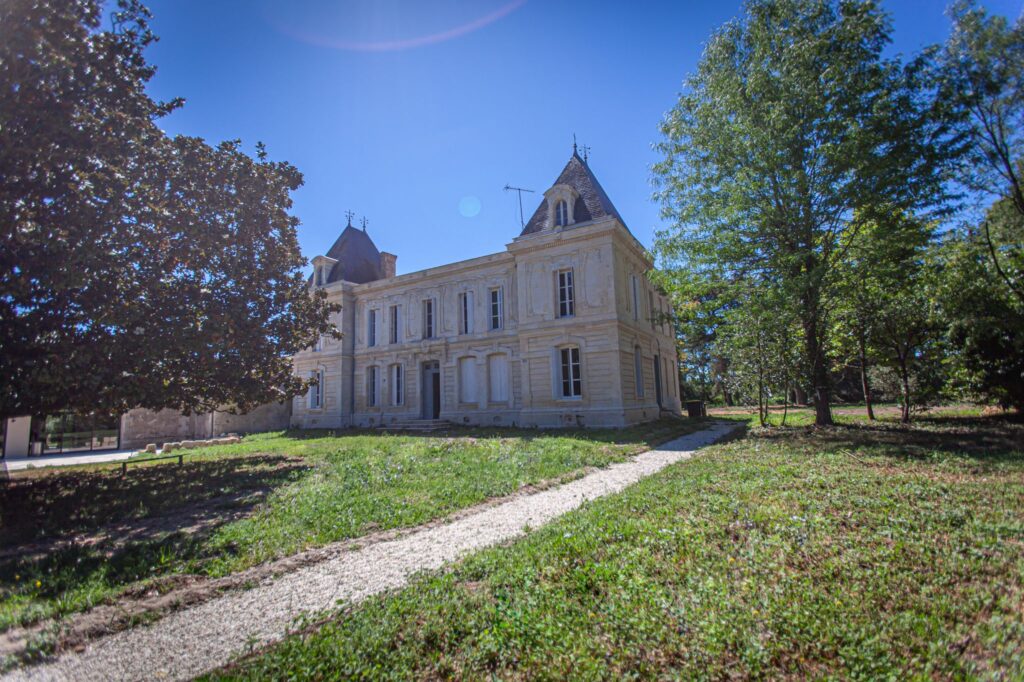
(198, 639)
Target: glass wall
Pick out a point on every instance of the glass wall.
(69, 432)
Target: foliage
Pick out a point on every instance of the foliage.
(985, 324)
(793, 131)
(983, 64)
(316, 488)
(136, 269)
(877, 552)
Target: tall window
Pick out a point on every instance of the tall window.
(371, 328)
(466, 312)
(497, 378)
(372, 386)
(428, 318)
(572, 384)
(636, 296)
(566, 294)
(650, 309)
(397, 387)
(318, 345)
(316, 391)
(562, 214)
(467, 380)
(394, 321)
(497, 308)
(638, 371)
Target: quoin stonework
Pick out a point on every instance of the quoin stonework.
(562, 328)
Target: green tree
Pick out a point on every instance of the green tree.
(881, 309)
(985, 324)
(135, 269)
(792, 132)
(983, 66)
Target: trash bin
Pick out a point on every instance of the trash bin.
(695, 409)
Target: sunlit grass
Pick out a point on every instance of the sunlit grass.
(861, 552)
(278, 494)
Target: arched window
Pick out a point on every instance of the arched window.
(562, 213)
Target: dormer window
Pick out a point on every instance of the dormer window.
(320, 276)
(562, 214)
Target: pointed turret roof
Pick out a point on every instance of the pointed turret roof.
(593, 203)
(357, 256)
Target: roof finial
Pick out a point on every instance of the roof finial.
(349, 214)
(586, 152)
(574, 144)
(364, 222)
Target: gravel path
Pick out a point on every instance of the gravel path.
(189, 642)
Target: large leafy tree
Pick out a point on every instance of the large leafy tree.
(136, 269)
(983, 66)
(794, 130)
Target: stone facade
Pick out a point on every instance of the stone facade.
(140, 427)
(554, 331)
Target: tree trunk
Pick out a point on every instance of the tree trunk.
(864, 378)
(785, 406)
(905, 388)
(799, 396)
(819, 371)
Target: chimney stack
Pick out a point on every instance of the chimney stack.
(387, 263)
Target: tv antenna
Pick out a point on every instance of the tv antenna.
(519, 190)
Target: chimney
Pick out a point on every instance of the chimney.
(387, 264)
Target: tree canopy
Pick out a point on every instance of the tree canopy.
(136, 268)
(793, 132)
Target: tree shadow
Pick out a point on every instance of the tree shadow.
(52, 505)
(989, 438)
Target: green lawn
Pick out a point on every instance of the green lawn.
(869, 552)
(231, 507)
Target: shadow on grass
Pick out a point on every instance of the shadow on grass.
(47, 505)
(989, 438)
(650, 433)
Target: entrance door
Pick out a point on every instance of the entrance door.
(657, 378)
(431, 391)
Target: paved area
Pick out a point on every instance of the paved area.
(196, 640)
(18, 463)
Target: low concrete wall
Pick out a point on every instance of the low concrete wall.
(141, 427)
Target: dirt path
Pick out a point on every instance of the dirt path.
(201, 638)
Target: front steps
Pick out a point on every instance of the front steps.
(420, 425)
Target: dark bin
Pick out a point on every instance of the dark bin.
(695, 409)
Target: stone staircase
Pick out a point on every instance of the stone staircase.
(420, 425)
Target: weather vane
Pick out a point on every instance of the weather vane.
(349, 214)
(364, 223)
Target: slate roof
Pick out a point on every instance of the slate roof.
(357, 256)
(593, 203)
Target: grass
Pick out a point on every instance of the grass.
(862, 552)
(231, 507)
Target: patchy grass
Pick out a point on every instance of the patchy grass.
(846, 414)
(73, 538)
(865, 552)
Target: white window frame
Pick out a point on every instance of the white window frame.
(565, 285)
(372, 386)
(638, 371)
(371, 327)
(561, 213)
(428, 318)
(395, 324)
(397, 381)
(636, 296)
(465, 312)
(506, 382)
(463, 362)
(316, 391)
(570, 373)
(496, 308)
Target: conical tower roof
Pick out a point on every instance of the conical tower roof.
(593, 203)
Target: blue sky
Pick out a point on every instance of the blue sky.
(416, 113)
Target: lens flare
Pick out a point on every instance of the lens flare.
(315, 30)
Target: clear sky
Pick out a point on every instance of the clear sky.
(416, 113)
